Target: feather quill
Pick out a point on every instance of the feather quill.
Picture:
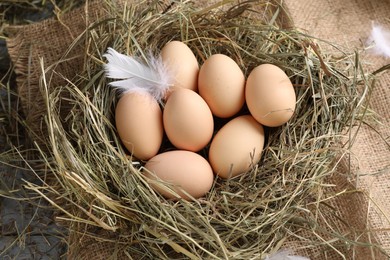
(285, 255)
(134, 76)
(381, 39)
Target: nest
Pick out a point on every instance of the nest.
(100, 190)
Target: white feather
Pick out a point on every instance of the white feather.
(134, 76)
(285, 255)
(381, 40)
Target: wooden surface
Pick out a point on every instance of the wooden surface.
(27, 228)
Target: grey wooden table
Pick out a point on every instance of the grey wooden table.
(27, 230)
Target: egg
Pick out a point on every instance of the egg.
(182, 63)
(188, 121)
(270, 95)
(221, 84)
(236, 147)
(138, 120)
(183, 171)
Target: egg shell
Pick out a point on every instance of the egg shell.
(138, 120)
(270, 95)
(188, 121)
(184, 170)
(236, 147)
(182, 63)
(221, 84)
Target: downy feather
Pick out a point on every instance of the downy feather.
(381, 40)
(133, 76)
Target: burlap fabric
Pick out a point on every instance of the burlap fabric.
(348, 24)
(40, 46)
(363, 216)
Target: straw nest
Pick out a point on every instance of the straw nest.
(101, 191)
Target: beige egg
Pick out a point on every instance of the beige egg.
(182, 171)
(181, 61)
(236, 147)
(188, 121)
(222, 84)
(270, 95)
(138, 120)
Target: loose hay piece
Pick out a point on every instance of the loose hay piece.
(101, 191)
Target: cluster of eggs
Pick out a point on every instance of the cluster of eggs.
(199, 96)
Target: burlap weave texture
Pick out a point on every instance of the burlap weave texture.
(349, 24)
(39, 46)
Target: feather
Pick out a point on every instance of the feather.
(133, 76)
(285, 255)
(381, 39)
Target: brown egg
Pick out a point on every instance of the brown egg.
(236, 147)
(270, 95)
(183, 171)
(182, 62)
(222, 84)
(138, 120)
(188, 121)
